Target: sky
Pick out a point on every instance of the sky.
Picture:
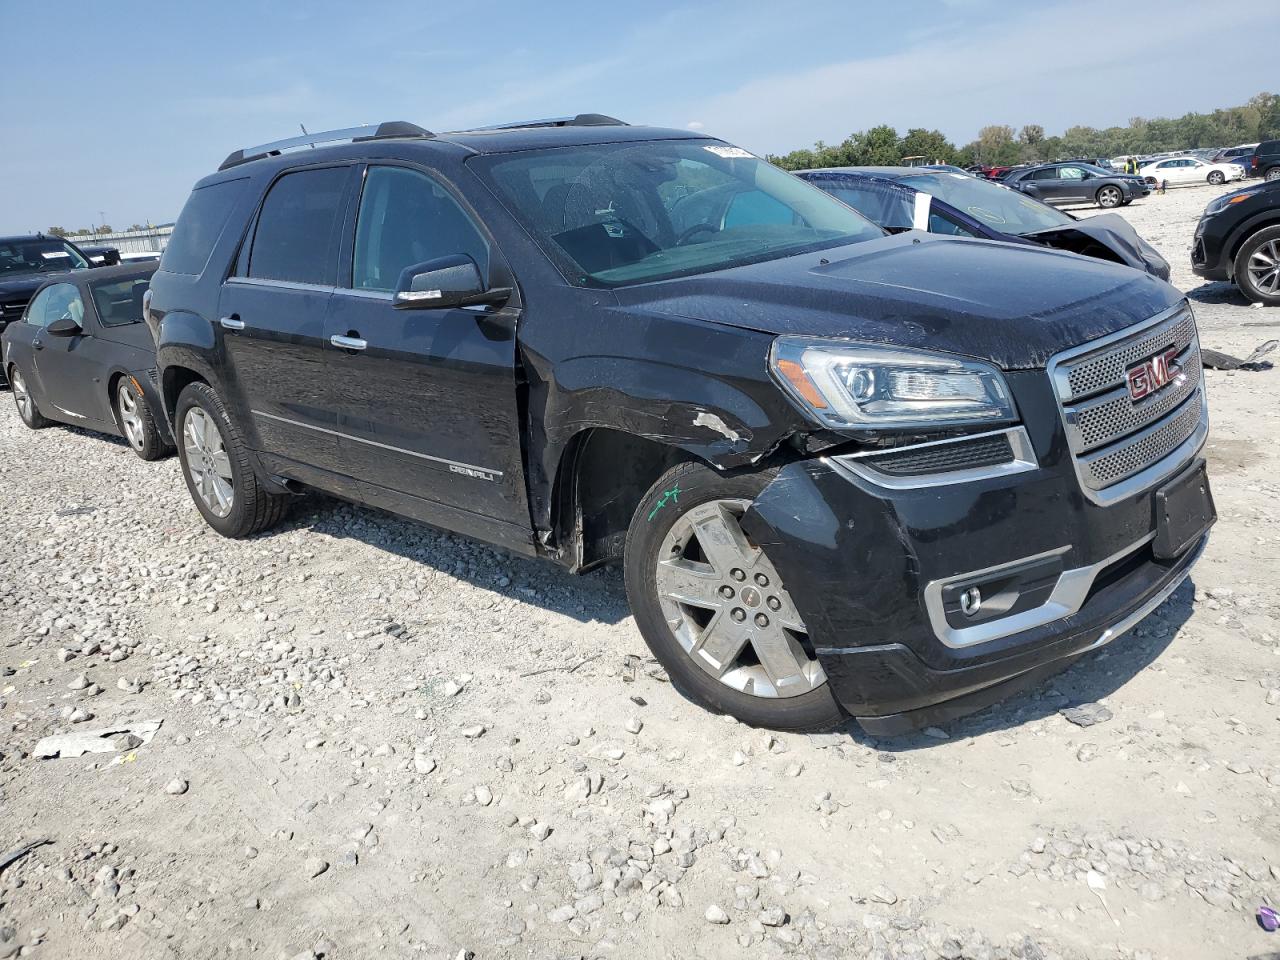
(113, 110)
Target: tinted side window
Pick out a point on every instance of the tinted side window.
(294, 237)
(408, 218)
(884, 205)
(199, 226)
(35, 309)
(63, 301)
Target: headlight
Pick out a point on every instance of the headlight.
(843, 384)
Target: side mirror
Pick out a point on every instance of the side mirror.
(63, 327)
(446, 282)
(110, 258)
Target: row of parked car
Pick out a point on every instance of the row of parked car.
(893, 464)
(1163, 170)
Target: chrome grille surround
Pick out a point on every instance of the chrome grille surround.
(1120, 447)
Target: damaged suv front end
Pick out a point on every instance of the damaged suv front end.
(969, 462)
(937, 576)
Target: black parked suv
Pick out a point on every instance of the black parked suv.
(1265, 161)
(1238, 238)
(896, 476)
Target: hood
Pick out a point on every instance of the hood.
(21, 287)
(1010, 304)
(1111, 231)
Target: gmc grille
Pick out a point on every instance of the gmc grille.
(1112, 437)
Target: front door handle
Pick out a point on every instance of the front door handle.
(348, 343)
(38, 343)
(232, 322)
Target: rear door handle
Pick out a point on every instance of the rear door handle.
(232, 322)
(348, 343)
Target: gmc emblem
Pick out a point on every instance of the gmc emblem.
(1152, 373)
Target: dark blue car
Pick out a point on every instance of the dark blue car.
(906, 198)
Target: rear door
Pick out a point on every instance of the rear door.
(428, 399)
(272, 318)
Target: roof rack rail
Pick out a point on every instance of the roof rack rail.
(580, 120)
(383, 131)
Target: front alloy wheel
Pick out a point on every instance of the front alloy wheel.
(727, 607)
(207, 462)
(26, 403)
(714, 609)
(1110, 197)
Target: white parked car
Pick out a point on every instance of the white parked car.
(1183, 171)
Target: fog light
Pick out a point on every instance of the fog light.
(971, 601)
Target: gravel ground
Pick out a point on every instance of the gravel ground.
(380, 740)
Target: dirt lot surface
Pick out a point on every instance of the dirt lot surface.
(383, 741)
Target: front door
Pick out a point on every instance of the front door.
(1072, 187)
(272, 323)
(428, 407)
(69, 375)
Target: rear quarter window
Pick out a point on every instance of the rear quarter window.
(200, 225)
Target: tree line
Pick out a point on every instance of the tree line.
(999, 144)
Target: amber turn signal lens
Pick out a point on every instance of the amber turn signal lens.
(800, 380)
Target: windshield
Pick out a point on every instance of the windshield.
(620, 213)
(38, 256)
(995, 205)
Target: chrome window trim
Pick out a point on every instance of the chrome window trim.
(383, 446)
(1024, 459)
(282, 284)
(1066, 599)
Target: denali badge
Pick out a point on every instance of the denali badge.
(1152, 373)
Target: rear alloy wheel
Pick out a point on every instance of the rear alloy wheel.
(1217, 178)
(27, 408)
(715, 611)
(215, 464)
(1110, 197)
(137, 422)
(1258, 267)
(1272, 174)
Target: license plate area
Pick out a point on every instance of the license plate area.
(1184, 511)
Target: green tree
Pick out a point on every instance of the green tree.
(56, 232)
(105, 229)
(928, 143)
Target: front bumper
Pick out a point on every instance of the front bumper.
(868, 566)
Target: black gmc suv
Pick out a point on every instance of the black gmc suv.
(897, 476)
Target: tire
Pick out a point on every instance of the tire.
(137, 421)
(1109, 197)
(28, 411)
(1217, 178)
(212, 448)
(1257, 267)
(1272, 175)
(689, 506)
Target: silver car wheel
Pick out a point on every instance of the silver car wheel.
(727, 607)
(1109, 197)
(20, 395)
(1264, 267)
(130, 416)
(207, 462)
